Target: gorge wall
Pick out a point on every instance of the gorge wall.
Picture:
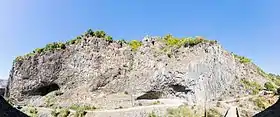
(90, 68)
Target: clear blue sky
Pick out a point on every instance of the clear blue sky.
(246, 27)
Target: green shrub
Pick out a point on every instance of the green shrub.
(80, 113)
(49, 101)
(84, 107)
(54, 113)
(269, 86)
(171, 41)
(32, 112)
(122, 41)
(134, 44)
(181, 111)
(59, 45)
(152, 114)
(89, 33)
(100, 34)
(261, 102)
(274, 79)
(38, 50)
(55, 45)
(242, 59)
(213, 113)
(156, 102)
(177, 42)
(109, 38)
(261, 72)
(251, 85)
(64, 113)
(19, 58)
(74, 41)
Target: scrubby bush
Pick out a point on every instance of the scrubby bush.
(156, 102)
(269, 86)
(89, 33)
(261, 102)
(261, 72)
(54, 113)
(251, 85)
(83, 107)
(32, 112)
(109, 38)
(100, 34)
(177, 42)
(49, 101)
(181, 111)
(19, 58)
(134, 44)
(38, 50)
(242, 59)
(171, 41)
(74, 41)
(152, 114)
(81, 110)
(274, 79)
(80, 113)
(53, 46)
(122, 41)
(59, 45)
(213, 113)
(64, 113)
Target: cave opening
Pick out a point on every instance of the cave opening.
(150, 95)
(180, 88)
(44, 90)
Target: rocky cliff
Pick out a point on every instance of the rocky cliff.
(3, 84)
(96, 70)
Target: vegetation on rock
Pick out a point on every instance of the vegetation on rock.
(261, 102)
(152, 114)
(242, 59)
(179, 42)
(60, 45)
(252, 86)
(83, 107)
(81, 110)
(32, 112)
(80, 113)
(135, 44)
(156, 102)
(60, 112)
(181, 111)
(269, 86)
(212, 112)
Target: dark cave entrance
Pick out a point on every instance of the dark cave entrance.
(44, 90)
(150, 95)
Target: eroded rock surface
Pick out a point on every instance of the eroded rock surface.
(93, 71)
(3, 84)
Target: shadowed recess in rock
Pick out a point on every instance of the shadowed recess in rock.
(150, 95)
(180, 88)
(44, 90)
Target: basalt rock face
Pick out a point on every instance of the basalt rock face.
(7, 110)
(96, 67)
(3, 84)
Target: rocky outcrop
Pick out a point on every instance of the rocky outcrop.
(7, 110)
(89, 71)
(3, 84)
